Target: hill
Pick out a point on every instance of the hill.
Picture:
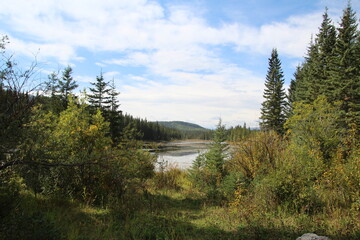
(188, 130)
(182, 126)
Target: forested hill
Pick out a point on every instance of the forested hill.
(188, 130)
(182, 126)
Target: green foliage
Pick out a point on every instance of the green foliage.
(66, 153)
(187, 130)
(66, 85)
(167, 177)
(274, 106)
(208, 170)
(100, 94)
(316, 126)
(257, 155)
(331, 67)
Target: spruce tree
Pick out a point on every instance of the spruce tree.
(344, 78)
(326, 40)
(273, 108)
(312, 74)
(312, 78)
(114, 102)
(114, 116)
(66, 85)
(291, 98)
(100, 93)
(299, 92)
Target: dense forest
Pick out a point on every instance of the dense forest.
(73, 167)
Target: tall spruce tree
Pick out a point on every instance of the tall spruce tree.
(113, 93)
(311, 74)
(291, 98)
(115, 115)
(100, 93)
(273, 108)
(66, 85)
(299, 92)
(344, 77)
(326, 40)
(312, 78)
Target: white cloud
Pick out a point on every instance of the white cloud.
(112, 74)
(129, 25)
(170, 42)
(198, 98)
(42, 52)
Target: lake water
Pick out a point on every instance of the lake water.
(181, 154)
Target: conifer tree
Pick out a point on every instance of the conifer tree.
(311, 74)
(115, 116)
(300, 89)
(326, 39)
(273, 108)
(53, 89)
(312, 78)
(114, 102)
(344, 78)
(291, 98)
(100, 93)
(66, 85)
(52, 85)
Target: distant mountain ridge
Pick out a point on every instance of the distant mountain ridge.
(183, 126)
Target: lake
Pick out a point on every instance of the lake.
(181, 153)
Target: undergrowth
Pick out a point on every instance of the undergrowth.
(175, 211)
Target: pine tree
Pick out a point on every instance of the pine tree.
(114, 102)
(344, 77)
(273, 108)
(291, 98)
(326, 39)
(311, 74)
(115, 116)
(52, 85)
(100, 93)
(66, 85)
(299, 92)
(312, 78)
(53, 88)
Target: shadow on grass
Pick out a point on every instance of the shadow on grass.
(154, 216)
(164, 217)
(157, 227)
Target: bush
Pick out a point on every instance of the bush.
(257, 155)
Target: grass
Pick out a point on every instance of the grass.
(177, 212)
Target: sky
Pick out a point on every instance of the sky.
(186, 60)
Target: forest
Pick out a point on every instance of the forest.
(72, 166)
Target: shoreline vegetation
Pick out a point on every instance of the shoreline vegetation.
(76, 168)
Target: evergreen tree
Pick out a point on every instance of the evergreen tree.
(115, 116)
(52, 85)
(326, 39)
(299, 92)
(273, 108)
(291, 98)
(344, 77)
(312, 78)
(114, 102)
(54, 102)
(100, 93)
(66, 85)
(312, 72)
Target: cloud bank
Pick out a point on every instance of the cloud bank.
(185, 74)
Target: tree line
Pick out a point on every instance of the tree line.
(331, 69)
(103, 96)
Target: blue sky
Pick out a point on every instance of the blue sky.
(188, 60)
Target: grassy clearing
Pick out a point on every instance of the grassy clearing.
(174, 212)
